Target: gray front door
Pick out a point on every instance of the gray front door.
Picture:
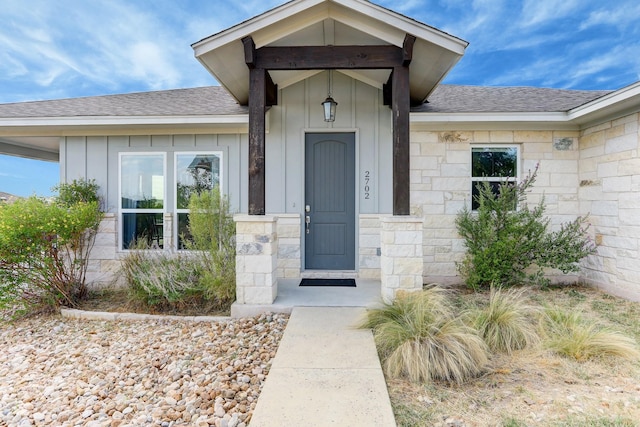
(330, 201)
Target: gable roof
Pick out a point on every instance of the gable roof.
(324, 23)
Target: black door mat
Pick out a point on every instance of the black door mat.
(329, 282)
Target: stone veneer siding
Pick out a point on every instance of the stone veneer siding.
(256, 259)
(440, 174)
(609, 191)
(289, 250)
(104, 266)
(401, 263)
(369, 249)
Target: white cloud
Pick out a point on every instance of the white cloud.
(621, 17)
(535, 12)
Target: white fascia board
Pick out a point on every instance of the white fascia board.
(484, 121)
(610, 103)
(87, 126)
(239, 119)
(252, 25)
(401, 22)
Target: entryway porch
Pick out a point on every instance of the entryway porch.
(366, 294)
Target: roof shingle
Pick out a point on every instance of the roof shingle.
(202, 101)
(490, 99)
(215, 100)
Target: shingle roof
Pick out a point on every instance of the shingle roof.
(489, 99)
(202, 101)
(215, 100)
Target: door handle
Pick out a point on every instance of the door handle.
(307, 222)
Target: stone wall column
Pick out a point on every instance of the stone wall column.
(104, 263)
(401, 261)
(256, 259)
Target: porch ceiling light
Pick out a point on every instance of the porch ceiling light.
(329, 105)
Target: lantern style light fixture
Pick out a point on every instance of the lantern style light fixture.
(329, 105)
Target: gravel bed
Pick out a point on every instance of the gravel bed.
(69, 372)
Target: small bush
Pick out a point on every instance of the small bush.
(510, 244)
(569, 334)
(77, 191)
(203, 276)
(213, 239)
(506, 322)
(419, 337)
(45, 248)
(158, 278)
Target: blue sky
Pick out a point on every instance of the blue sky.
(70, 48)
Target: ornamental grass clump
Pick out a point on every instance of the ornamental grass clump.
(158, 278)
(420, 337)
(506, 322)
(569, 334)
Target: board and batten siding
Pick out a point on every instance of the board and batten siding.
(360, 110)
(96, 157)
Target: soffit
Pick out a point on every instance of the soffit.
(330, 22)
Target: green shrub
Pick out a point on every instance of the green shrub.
(569, 334)
(509, 244)
(44, 250)
(506, 322)
(420, 337)
(213, 233)
(77, 191)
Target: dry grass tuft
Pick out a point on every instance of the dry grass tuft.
(506, 322)
(420, 337)
(568, 334)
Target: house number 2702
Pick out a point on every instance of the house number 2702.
(367, 186)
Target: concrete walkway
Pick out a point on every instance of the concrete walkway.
(325, 373)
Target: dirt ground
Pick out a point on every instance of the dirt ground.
(536, 387)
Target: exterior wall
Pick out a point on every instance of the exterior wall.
(369, 245)
(97, 157)
(594, 172)
(299, 111)
(289, 253)
(609, 191)
(104, 265)
(441, 184)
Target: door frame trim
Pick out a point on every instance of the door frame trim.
(356, 134)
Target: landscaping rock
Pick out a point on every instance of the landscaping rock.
(115, 373)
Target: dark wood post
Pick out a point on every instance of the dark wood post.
(257, 99)
(257, 110)
(400, 105)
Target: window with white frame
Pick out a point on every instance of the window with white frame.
(495, 165)
(194, 173)
(142, 198)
